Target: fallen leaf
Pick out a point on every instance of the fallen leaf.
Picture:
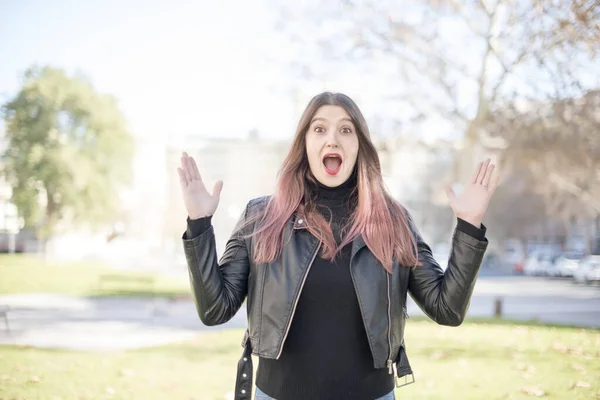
(578, 367)
(520, 330)
(437, 355)
(110, 390)
(534, 392)
(578, 351)
(526, 368)
(559, 347)
(581, 384)
(35, 379)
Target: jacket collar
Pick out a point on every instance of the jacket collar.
(299, 223)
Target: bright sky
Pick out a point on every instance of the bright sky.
(180, 67)
(207, 68)
(176, 67)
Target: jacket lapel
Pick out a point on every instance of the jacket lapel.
(299, 222)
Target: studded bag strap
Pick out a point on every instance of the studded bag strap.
(243, 382)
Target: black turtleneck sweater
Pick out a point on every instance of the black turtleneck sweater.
(326, 354)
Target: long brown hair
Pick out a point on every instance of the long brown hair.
(377, 216)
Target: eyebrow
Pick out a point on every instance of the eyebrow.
(323, 119)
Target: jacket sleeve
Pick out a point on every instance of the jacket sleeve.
(219, 287)
(445, 296)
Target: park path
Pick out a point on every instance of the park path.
(116, 323)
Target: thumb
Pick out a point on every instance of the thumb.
(217, 189)
(450, 193)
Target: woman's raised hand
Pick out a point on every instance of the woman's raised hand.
(472, 204)
(198, 202)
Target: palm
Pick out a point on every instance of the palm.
(473, 201)
(472, 204)
(198, 201)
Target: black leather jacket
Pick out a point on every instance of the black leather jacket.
(272, 290)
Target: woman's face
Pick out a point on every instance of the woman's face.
(331, 145)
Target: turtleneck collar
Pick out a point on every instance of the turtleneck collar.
(341, 192)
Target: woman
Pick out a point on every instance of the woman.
(326, 263)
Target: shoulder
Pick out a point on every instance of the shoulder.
(407, 220)
(257, 204)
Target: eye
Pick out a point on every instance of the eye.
(319, 129)
(346, 129)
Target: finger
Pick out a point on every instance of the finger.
(185, 162)
(195, 170)
(182, 179)
(217, 189)
(483, 171)
(477, 170)
(488, 176)
(450, 193)
(494, 184)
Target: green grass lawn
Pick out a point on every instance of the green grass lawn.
(29, 274)
(474, 361)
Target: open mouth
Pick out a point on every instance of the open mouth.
(332, 163)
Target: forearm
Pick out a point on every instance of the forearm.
(196, 227)
(218, 288)
(444, 295)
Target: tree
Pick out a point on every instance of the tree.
(68, 151)
(456, 60)
(559, 144)
(517, 208)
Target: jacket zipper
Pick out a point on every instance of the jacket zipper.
(389, 360)
(287, 329)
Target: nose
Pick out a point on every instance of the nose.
(332, 141)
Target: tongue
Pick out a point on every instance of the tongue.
(332, 163)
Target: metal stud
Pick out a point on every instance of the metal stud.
(243, 391)
(300, 221)
(244, 375)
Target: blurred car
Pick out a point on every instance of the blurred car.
(568, 263)
(549, 267)
(518, 267)
(588, 271)
(532, 265)
(514, 256)
(491, 260)
(540, 264)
